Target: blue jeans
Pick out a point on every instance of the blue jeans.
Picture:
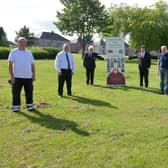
(164, 80)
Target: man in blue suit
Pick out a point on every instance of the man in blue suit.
(144, 65)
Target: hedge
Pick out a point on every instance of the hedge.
(130, 57)
(38, 52)
(4, 52)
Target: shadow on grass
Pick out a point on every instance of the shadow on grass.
(94, 102)
(51, 122)
(127, 88)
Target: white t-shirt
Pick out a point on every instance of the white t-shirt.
(22, 61)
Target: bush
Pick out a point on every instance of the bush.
(132, 56)
(52, 52)
(44, 53)
(38, 52)
(4, 52)
(135, 57)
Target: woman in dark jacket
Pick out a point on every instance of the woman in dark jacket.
(90, 65)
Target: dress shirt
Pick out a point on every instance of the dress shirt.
(61, 61)
(142, 54)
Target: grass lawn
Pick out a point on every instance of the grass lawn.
(98, 127)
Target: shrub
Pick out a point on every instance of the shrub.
(44, 53)
(135, 57)
(4, 52)
(38, 52)
(132, 56)
(52, 52)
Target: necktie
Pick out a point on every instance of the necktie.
(67, 58)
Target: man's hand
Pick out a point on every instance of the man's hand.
(12, 80)
(33, 78)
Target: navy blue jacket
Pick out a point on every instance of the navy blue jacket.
(89, 61)
(146, 61)
(163, 60)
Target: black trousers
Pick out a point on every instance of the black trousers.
(16, 90)
(90, 76)
(143, 74)
(66, 75)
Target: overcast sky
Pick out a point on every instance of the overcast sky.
(39, 15)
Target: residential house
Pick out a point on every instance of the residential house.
(50, 39)
(101, 48)
(75, 45)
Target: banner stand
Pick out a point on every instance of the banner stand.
(115, 51)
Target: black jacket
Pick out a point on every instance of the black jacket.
(89, 61)
(146, 61)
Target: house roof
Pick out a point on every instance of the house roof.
(52, 36)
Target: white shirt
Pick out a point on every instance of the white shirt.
(61, 61)
(141, 54)
(22, 61)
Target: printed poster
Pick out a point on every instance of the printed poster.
(115, 51)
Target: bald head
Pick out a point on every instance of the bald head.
(66, 47)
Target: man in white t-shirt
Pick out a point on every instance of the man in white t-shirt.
(22, 73)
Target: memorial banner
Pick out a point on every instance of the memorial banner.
(115, 51)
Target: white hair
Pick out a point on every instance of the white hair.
(90, 47)
(164, 46)
(22, 38)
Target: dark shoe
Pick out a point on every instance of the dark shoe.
(30, 107)
(16, 111)
(161, 92)
(33, 109)
(69, 94)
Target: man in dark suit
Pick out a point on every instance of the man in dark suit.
(90, 65)
(144, 65)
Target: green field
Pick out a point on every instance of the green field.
(98, 127)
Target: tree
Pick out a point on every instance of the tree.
(25, 32)
(3, 37)
(81, 17)
(148, 25)
(144, 28)
(161, 12)
(118, 20)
